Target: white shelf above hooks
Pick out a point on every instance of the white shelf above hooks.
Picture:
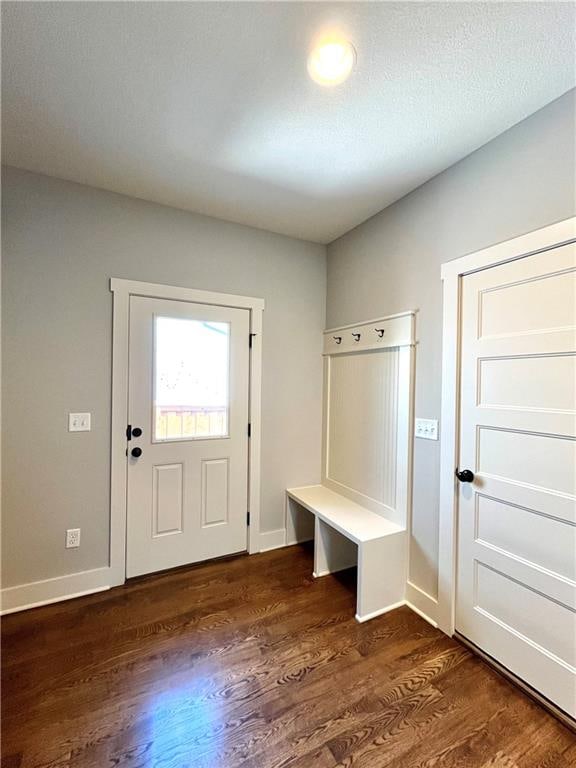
(392, 331)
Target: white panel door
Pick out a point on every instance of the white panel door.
(188, 433)
(516, 591)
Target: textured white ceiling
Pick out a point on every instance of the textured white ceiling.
(208, 106)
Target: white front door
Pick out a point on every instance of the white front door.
(188, 433)
(516, 590)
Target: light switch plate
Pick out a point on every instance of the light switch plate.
(427, 429)
(79, 422)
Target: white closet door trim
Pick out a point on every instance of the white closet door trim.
(122, 290)
(543, 239)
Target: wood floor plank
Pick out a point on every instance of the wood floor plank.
(251, 663)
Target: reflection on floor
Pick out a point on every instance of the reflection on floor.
(250, 662)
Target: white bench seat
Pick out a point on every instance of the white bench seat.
(350, 519)
(347, 534)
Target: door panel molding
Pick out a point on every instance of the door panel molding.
(122, 291)
(452, 272)
(215, 513)
(168, 481)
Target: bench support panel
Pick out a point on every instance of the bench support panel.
(299, 523)
(381, 559)
(381, 576)
(332, 551)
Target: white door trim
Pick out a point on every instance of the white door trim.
(452, 272)
(123, 290)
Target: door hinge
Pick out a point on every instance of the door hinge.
(249, 430)
(250, 337)
(247, 518)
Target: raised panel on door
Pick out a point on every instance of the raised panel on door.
(546, 624)
(546, 541)
(215, 493)
(547, 462)
(534, 304)
(548, 382)
(516, 588)
(167, 499)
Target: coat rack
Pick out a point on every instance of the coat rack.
(368, 413)
(359, 515)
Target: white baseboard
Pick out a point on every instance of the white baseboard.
(37, 593)
(422, 614)
(292, 542)
(379, 612)
(362, 619)
(422, 603)
(272, 539)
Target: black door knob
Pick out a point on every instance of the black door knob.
(136, 432)
(136, 452)
(465, 475)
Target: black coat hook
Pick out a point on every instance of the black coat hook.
(337, 339)
(356, 336)
(379, 331)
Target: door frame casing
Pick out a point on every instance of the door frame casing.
(452, 272)
(122, 291)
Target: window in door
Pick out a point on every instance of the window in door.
(191, 375)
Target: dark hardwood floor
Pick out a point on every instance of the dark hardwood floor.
(251, 662)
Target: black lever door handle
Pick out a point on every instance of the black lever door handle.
(136, 452)
(465, 475)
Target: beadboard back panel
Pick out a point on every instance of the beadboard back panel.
(368, 413)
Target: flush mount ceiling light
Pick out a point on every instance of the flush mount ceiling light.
(331, 60)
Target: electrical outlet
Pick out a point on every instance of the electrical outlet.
(72, 538)
(427, 429)
(79, 422)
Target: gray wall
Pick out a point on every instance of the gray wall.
(522, 180)
(61, 244)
